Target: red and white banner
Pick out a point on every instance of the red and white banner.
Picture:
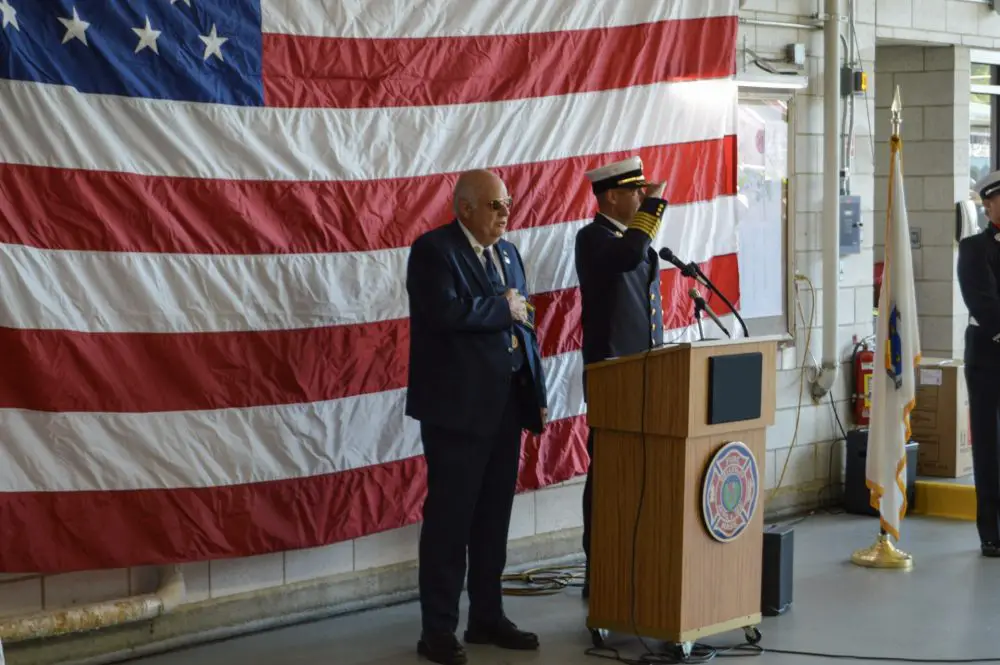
(203, 312)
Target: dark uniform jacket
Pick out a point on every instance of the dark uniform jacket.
(461, 337)
(979, 281)
(619, 278)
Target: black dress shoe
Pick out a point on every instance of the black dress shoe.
(991, 550)
(444, 649)
(503, 634)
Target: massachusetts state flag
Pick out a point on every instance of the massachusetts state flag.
(897, 352)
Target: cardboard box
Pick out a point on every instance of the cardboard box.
(939, 422)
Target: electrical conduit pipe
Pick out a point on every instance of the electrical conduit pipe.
(831, 197)
(95, 616)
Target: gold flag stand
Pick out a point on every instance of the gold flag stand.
(883, 554)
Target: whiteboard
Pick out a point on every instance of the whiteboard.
(763, 154)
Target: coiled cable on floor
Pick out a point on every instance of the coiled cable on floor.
(543, 581)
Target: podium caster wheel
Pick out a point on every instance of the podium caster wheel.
(752, 634)
(598, 637)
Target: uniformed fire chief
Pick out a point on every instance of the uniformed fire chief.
(619, 278)
(979, 281)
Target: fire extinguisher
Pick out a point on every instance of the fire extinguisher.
(863, 362)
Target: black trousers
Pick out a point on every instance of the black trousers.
(588, 493)
(984, 417)
(470, 494)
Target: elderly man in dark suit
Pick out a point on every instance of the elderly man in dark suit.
(475, 383)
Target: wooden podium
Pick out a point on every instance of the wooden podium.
(664, 417)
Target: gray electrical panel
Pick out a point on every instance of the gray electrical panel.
(850, 225)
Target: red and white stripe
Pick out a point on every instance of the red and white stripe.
(203, 315)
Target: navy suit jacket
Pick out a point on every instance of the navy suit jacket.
(460, 337)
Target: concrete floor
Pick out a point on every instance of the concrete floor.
(947, 607)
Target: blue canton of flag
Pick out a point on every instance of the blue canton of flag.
(184, 50)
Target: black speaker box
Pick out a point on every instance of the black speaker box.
(857, 497)
(778, 563)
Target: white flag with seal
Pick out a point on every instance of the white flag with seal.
(897, 353)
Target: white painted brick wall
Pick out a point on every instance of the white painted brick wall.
(558, 508)
(70, 589)
(228, 577)
(20, 596)
(810, 465)
(929, 14)
(897, 13)
(962, 17)
(197, 580)
(386, 548)
(316, 562)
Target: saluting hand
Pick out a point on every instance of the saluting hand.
(518, 305)
(656, 190)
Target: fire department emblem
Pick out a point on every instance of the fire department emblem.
(730, 491)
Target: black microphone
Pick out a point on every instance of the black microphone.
(694, 272)
(687, 269)
(701, 305)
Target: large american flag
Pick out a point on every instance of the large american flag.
(205, 213)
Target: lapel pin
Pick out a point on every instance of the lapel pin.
(506, 259)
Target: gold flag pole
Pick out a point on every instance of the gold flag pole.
(883, 554)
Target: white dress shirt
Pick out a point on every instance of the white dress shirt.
(479, 250)
(621, 227)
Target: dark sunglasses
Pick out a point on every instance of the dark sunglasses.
(500, 204)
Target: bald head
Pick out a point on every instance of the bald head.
(482, 205)
(471, 185)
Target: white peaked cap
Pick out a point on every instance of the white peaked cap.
(625, 173)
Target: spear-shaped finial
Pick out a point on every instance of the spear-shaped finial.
(897, 113)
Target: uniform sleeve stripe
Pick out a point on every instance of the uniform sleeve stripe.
(646, 223)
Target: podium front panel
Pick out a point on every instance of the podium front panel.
(693, 578)
(721, 574)
(734, 387)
